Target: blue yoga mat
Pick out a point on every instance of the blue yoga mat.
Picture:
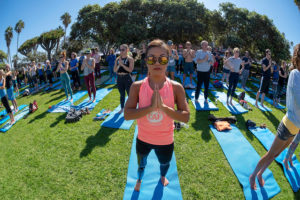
(151, 187)
(243, 159)
(235, 109)
(270, 101)
(252, 101)
(54, 85)
(255, 84)
(115, 120)
(255, 79)
(64, 106)
(19, 116)
(200, 105)
(266, 137)
(112, 81)
(100, 94)
(6, 117)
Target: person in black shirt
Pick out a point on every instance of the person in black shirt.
(246, 71)
(283, 73)
(267, 70)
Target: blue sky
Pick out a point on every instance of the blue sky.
(43, 15)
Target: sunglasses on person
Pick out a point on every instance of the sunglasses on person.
(122, 49)
(151, 60)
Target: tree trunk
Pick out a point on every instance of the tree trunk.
(49, 54)
(65, 35)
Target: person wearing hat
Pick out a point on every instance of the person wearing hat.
(173, 55)
(88, 67)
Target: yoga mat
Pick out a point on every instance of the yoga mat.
(187, 81)
(255, 79)
(246, 88)
(235, 109)
(151, 187)
(266, 138)
(115, 120)
(243, 159)
(64, 106)
(219, 76)
(19, 116)
(142, 76)
(112, 81)
(270, 101)
(6, 117)
(252, 101)
(255, 84)
(100, 94)
(201, 105)
(54, 85)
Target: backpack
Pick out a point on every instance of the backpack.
(218, 84)
(250, 124)
(26, 92)
(33, 107)
(73, 116)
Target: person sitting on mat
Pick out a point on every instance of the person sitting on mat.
(289, 125)
(293, 146)
(156, 97)
(3, 96)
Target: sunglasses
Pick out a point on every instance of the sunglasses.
(151, 60)
(122, 49)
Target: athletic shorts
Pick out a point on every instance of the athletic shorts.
(10, 93)
(226, 71)
(264, 85)
(188, 68)
(171, 69)
(283, 132)
(216, 64)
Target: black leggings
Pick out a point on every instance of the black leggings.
(202, 77)
(49, 77)
(233, 81)
(163, 152)
(123, 82)
(5, 103)
(76, 78)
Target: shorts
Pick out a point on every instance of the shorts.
(264, 85)
(216, 64)
(283, 132)
(10, 93)
(226, 71)
(188, 68)
(171, 69)
(275, 81)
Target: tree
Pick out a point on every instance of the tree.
(18, 28)
(29, 46)
(297, 2)
(8, 38)
(66, 20)
(3, 56)
(49, 40)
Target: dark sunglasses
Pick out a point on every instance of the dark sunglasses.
(122, 49)
(151, 60)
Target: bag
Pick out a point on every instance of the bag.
(245, 104)
(250, 123)
(242, 96)
(73, 116)
(33, 107)
(218, 84)
(26, 92)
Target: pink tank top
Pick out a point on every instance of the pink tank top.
(156, 128)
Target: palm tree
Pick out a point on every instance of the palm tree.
(18, 28)
(66, 20)
(8, 38)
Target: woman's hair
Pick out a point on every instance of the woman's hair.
(236, 50)
(157, 43)
(296, 57)
(75, 54)
(63, 54)
(2, 73)
(124, 45)
(227, 52)
(113, 51)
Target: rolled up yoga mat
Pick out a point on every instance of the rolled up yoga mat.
(266, 137)
(200, 104)
(151, 187)
(235, 109)
(243, 159)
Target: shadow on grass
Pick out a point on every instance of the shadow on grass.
(37, 117)
(55, 99)
(100, 139)
(58, 119)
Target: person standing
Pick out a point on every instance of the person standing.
(3, 97)
(234, 64)
(74, 63)
(275, 83)
(124, 65)
(143, 56)
(97, 58)
(33, 75)
(267, 70)
(246, 70)
(180, 61)
(10, 88)
(204, 61)
(88, 67)
(283, 74)
(41, 73)
(49, 73)
(226, 69)
(188, 69)
(111, 58)
(173, 56)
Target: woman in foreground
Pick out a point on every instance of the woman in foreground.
(156, 97)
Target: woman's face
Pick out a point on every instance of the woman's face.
(236, 54)
(157, 68)
(7, 68)
(88, 55)
(123, 51)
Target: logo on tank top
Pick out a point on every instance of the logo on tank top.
(155, 117)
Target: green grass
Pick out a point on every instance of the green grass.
(41, 157)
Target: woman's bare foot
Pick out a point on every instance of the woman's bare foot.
(164, 181)
(256, 105)
(12, 122)
(94, 100)
(90, 100)
(260, 180)
(138, 185)
(67, 99)
(252, 182)
(71, 100)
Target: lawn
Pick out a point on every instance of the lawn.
(41, 157)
